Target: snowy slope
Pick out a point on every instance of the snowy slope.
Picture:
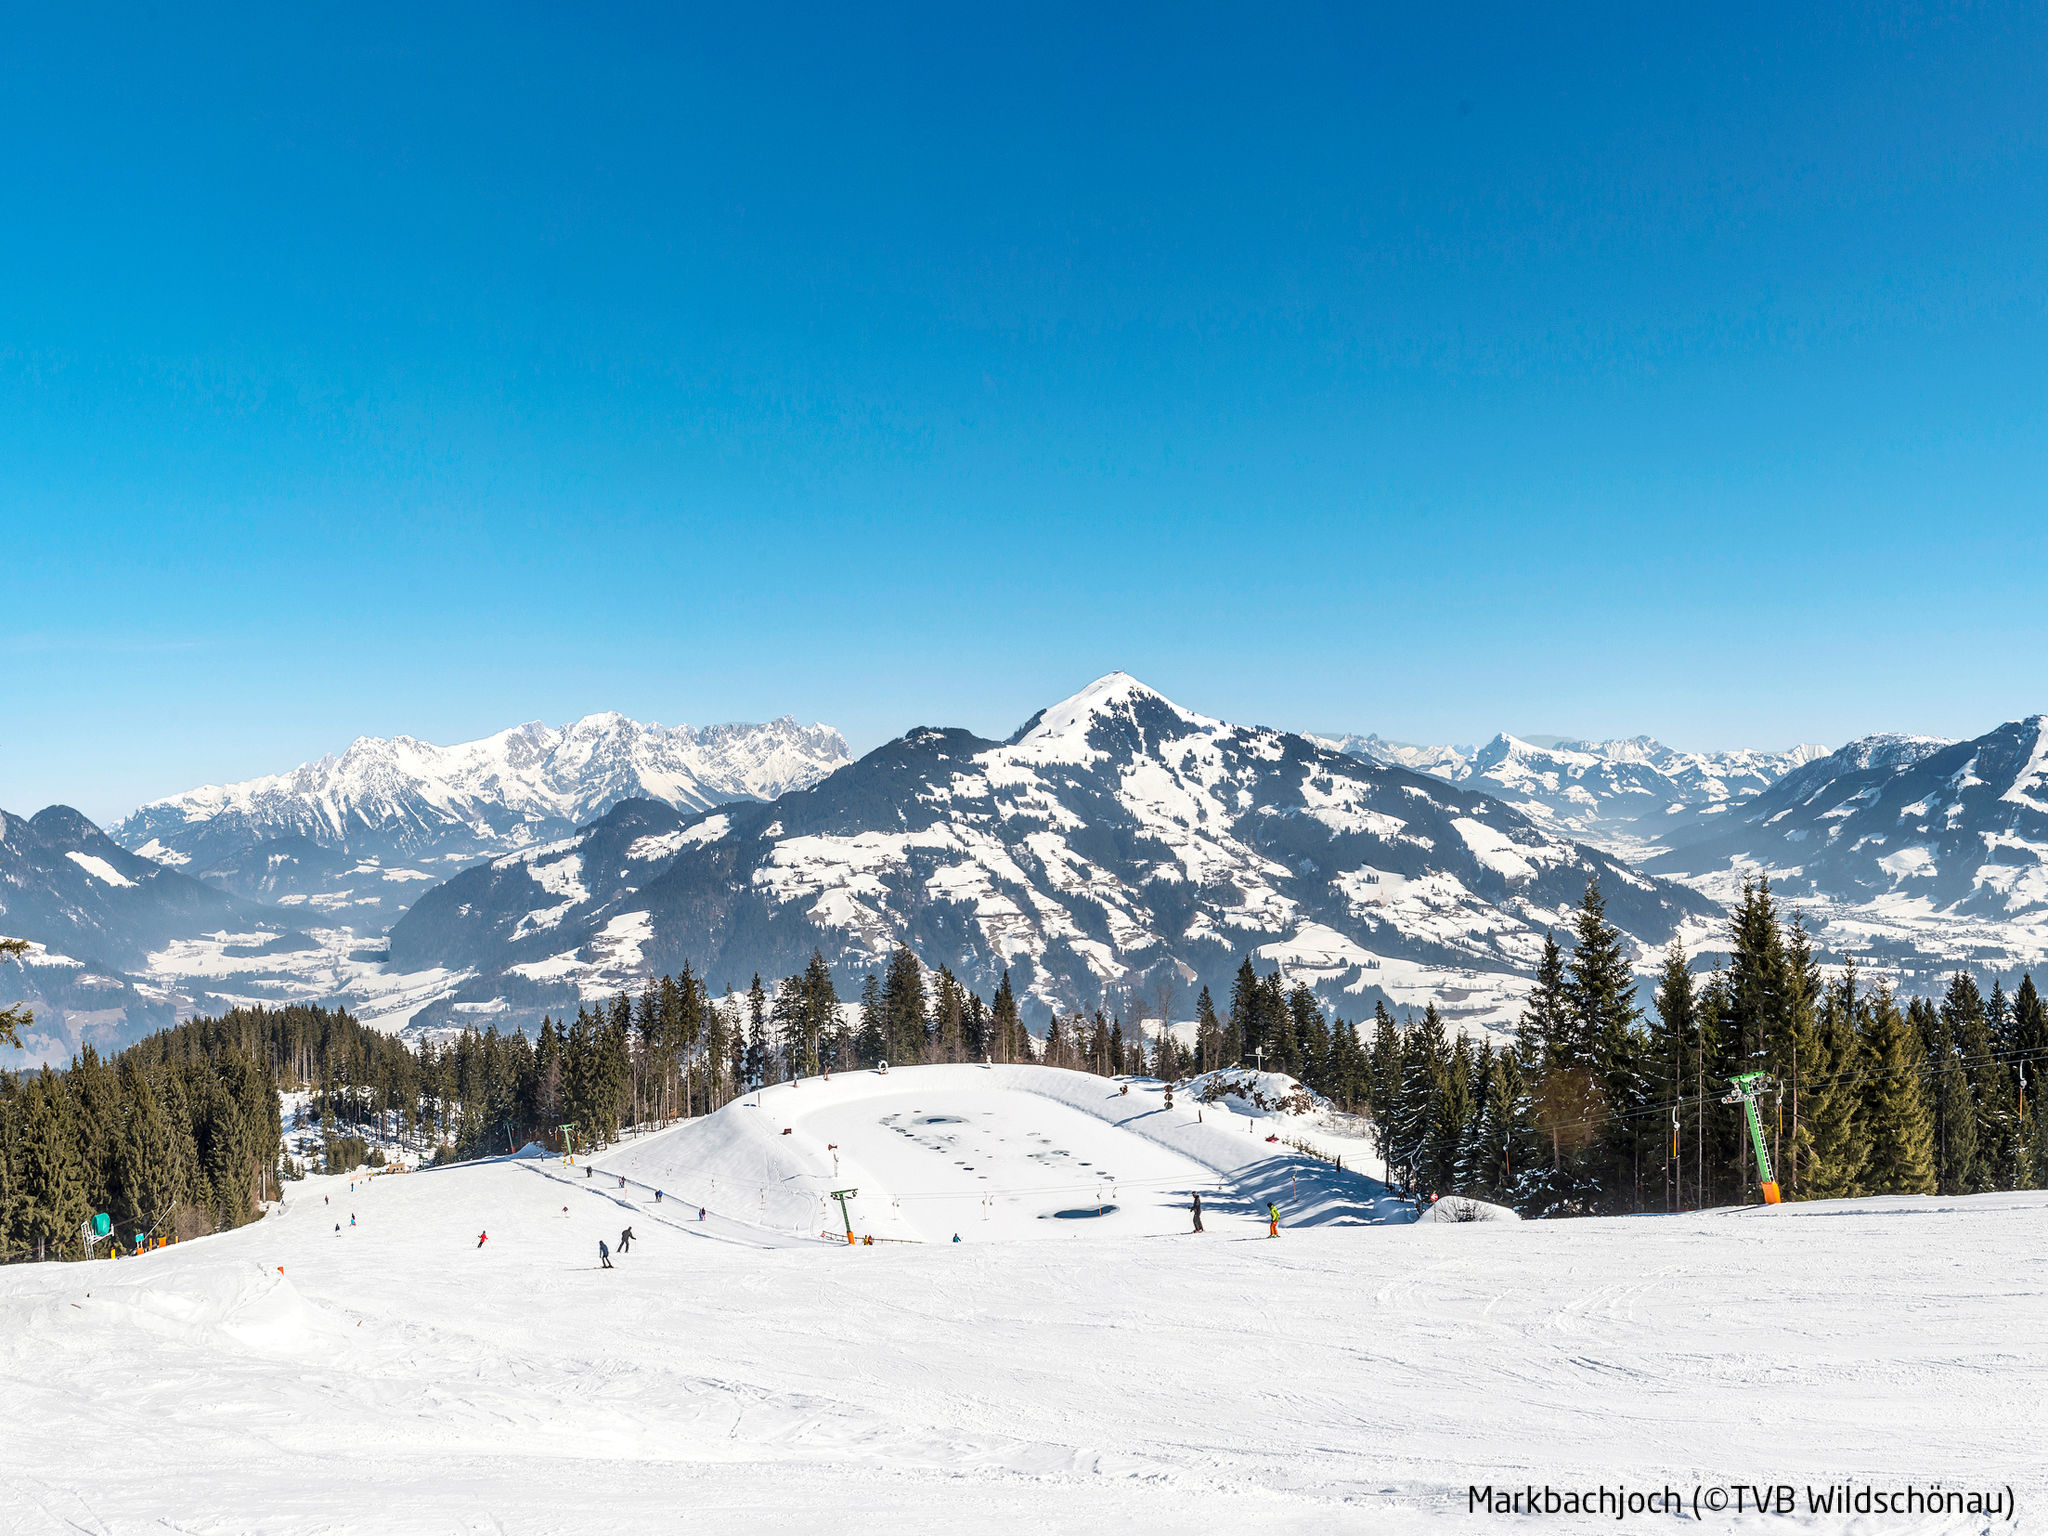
(394, 1377)
(998, 1153)
(1625, 796)
(362, 833)
(1115, 839)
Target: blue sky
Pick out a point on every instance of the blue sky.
(368, 372)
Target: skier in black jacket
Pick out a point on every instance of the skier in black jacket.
(625, 1241)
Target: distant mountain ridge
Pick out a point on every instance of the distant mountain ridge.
(357, 834)
(1626, 796)
(95, 914)
(1116, 840)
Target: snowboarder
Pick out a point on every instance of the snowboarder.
(351, 1218)
(586, 1170)
(625, 1241)
(604, 1254)
(657, 1197)
(337, 1229)
(482, 1238)
(1198, 1210)
(956, 1237)
(1272, 1219)
(622, 1181)
(700, 1213)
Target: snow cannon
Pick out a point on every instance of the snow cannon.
(1745, 1089)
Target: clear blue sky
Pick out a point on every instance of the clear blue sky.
(1597, 373)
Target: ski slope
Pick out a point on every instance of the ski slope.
(735, 1375)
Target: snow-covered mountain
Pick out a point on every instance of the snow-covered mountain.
(1627, 796)
(1116, 839)
(1915, 850)
(94, 913)
(357, 836)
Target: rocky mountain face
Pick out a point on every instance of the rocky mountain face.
(1913, 850)
(1627, 796)
(95, 914)
(353, 839)
(1115, 843)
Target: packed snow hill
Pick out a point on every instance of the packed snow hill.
(450, 1350)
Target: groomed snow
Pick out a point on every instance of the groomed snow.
(395, 1377)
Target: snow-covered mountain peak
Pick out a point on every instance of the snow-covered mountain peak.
(1891, 749)
(1066, 732)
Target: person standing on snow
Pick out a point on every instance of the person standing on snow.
(604, 1254)
(625, 1241)
(1198, 1210)
(1272, 1219)
(700, 1213)
(482, 1238)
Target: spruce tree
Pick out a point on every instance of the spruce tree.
(1676, 1054)
(49, 1182)
(1990, 1082)
(1955, 1110)
(1831, 1145)
(15, 1017)
(1894, 1111)
(1208, 1035)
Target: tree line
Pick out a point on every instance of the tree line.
(1596, 1105)
(1600, 1107)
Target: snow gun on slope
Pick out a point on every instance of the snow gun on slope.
(1745, 1090)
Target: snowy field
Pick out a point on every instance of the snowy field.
(1103, 1374)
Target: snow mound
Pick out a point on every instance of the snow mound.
(1462, 1208)
(1255, 1093)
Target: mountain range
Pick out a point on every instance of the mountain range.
(356, 836)
(1627, 796)
(1115, 843)
(1921, 853)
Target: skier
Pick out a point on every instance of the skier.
(622, 1181)
(337, 1229)
(482, 1238)
(586, 1170)
(657, 1197)
(956, 1237)
(1272, 1219)
(625, 1241)
(351, 1218)
(700, 1213)
(1198, 1210)
(604, 1254)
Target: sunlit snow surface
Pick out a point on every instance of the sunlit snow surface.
(395, 1377)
